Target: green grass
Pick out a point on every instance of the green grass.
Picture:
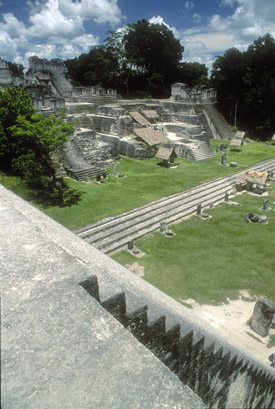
(207, 260)
(254, 337)
(271, 343)
(210, 260)
(144, 182)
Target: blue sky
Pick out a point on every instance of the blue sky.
(67, 28)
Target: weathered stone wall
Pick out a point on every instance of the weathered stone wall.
(178, 128)
(116, 125)
(177, 106)
(81, 120)
(128, 147)
(219, 376)
(181, 117)
(79, 108)
(6, 76)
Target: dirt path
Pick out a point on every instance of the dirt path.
(231, 319)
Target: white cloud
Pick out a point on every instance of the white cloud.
(189, 5)
(245, 22)
(101, 11)
(86, 40)
(196, 18)
(56, 28)
(7, 46)
(227, 3)
(160, 20)
(51, 22)
(12, 25)
(34, 6)
(40, 50)
(218, 23)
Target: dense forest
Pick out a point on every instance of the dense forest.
(245, 83)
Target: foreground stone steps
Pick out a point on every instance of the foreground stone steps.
(201, 359)
(113, 233)
(116, 239)
(171, 207)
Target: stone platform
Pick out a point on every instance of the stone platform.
(81, 331)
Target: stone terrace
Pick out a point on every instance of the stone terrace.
(111, 234)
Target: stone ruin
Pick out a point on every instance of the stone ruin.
(81, 331)
(182, 92)
(263, 317)
(252, 181)
(106, 126)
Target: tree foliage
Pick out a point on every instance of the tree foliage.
(27, 138)
(16, 69)
(141, 56)
(245, 83)
(193, 73)
(98, 67)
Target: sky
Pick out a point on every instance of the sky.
(67, 28)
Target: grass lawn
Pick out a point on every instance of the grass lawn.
(210, 260)
(144, 182)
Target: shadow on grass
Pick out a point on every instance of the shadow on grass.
(47, 193)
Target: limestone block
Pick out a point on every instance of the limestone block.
(262, 317)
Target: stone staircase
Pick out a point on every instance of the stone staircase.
(95, 152)
(217, 123)
(111, 234)
(47, 113)
(208, 364)
(203, 152)
(87, 173)
(60, 82)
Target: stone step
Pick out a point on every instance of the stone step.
(108, 222)
(90, 173)
(116, 240)
(143, 210)
(47, 113)
(160, 212)
(200, 155)
(204, 152)
(113, 233)
(219, 122)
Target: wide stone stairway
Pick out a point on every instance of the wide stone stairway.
(203, 152)
(111, 234)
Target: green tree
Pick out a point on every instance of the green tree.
(27, 139)
(245, 83)
(98, 67)
(13, 102)
(140, 58)
(193, 73)
(16, 69)
(259, 87)
(154, 54)
(226, 77)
